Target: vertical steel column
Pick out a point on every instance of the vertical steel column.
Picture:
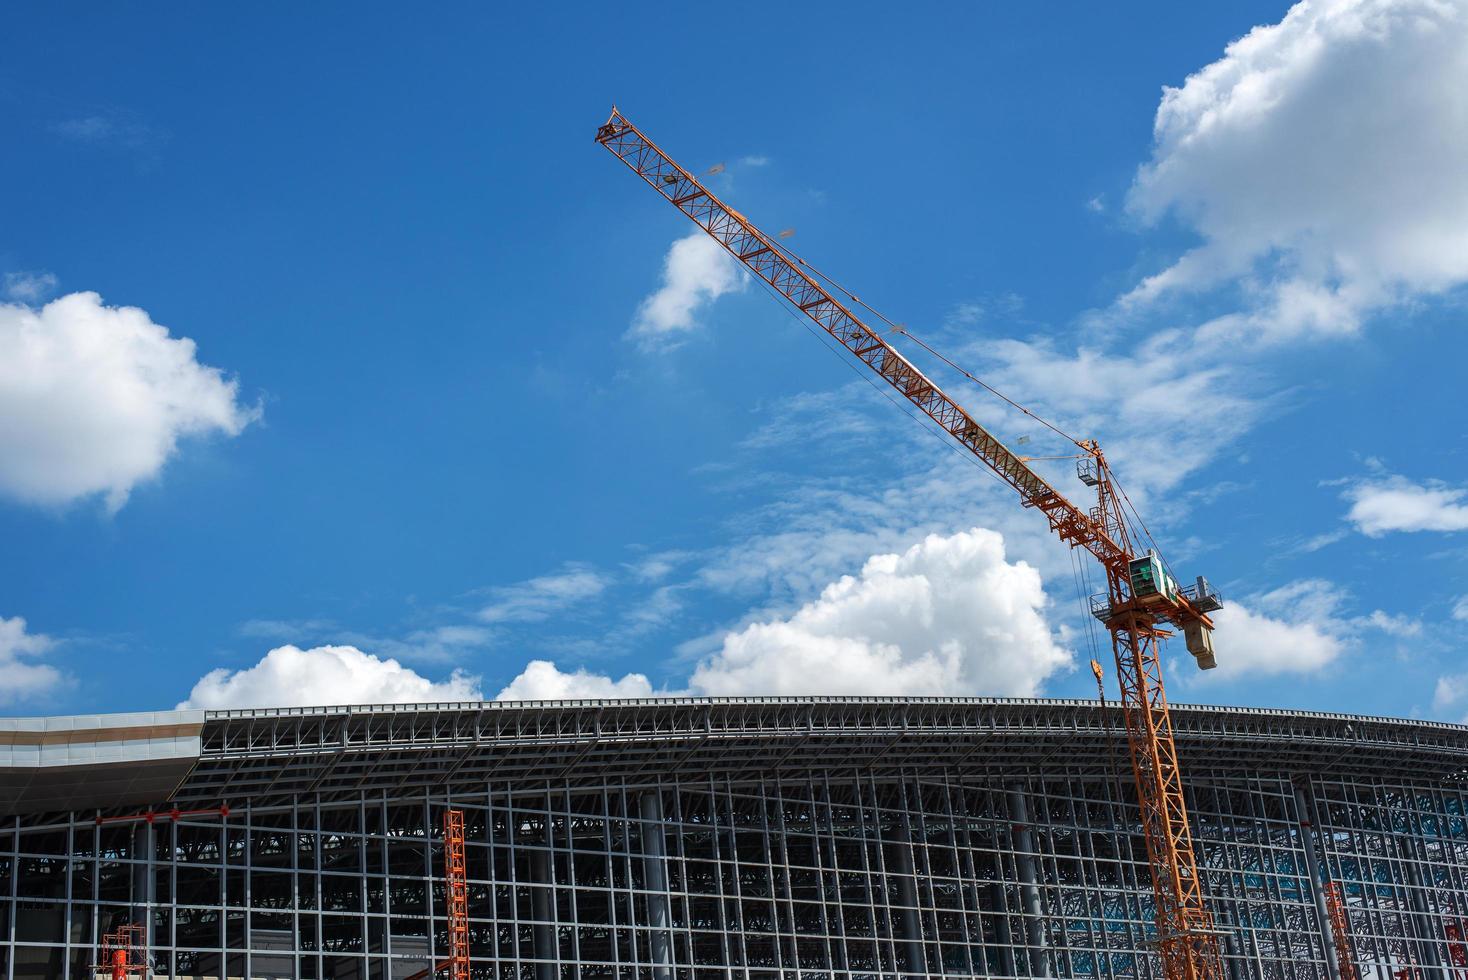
(1429, 940)
(142, 898)
(655, 881)
(1305, 808)
(1024, 860)
(11, 843)
(912, 932)
(1003, 935)
(541, 907)
(1231, 951)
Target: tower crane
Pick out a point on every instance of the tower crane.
(1141, 601)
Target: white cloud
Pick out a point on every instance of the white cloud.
(1460, 609)
(326, 675)
(1294, 629)
(121, 128)
(542, 681)
(1131, 402)
(1320, 159)
(1450, 694)
(534, 600)
(95, 399)
(20, 679)
(1394, 503)
(949, 616)
(696, 271)
(440, 644)
(28, 287)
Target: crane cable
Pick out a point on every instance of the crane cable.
(899, 328)
(790, 256)
(942, 437)
(1080, 573)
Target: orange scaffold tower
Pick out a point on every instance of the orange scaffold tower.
(456, 893)
(124, 952)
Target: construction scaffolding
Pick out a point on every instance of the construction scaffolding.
(839, 837)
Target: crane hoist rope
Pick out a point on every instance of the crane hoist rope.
(1142, 599)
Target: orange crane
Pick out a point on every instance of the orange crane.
(456, 889)
(1142, 598)
(1339, 931)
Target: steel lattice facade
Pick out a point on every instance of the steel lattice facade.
(758, 838)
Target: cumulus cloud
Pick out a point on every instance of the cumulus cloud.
(20, 677)
(1291, 640)
(28, 287)
(534, 600)
(1295, 629)
(1320, 159)
(948, 616)
(541, 680)
(1394, 503)
(696, 271)
(95, 399)
(291, 677)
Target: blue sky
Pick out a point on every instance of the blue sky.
(338, 363)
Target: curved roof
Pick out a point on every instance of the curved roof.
(208, 758)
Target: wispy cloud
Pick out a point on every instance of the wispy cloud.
(535, 600)
(284, 629)
(113, 127)
(29, 287)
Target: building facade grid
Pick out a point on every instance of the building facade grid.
(816, 877)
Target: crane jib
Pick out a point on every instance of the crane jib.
(762, 257)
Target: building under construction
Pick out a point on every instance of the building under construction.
(728, 839)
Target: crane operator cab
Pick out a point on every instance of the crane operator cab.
(1151, 582)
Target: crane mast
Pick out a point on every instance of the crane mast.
(1141, 600)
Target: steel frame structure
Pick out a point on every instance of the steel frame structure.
(270, 755)
(749, 839)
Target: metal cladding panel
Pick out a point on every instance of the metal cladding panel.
(95, 786)
(95, 761)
